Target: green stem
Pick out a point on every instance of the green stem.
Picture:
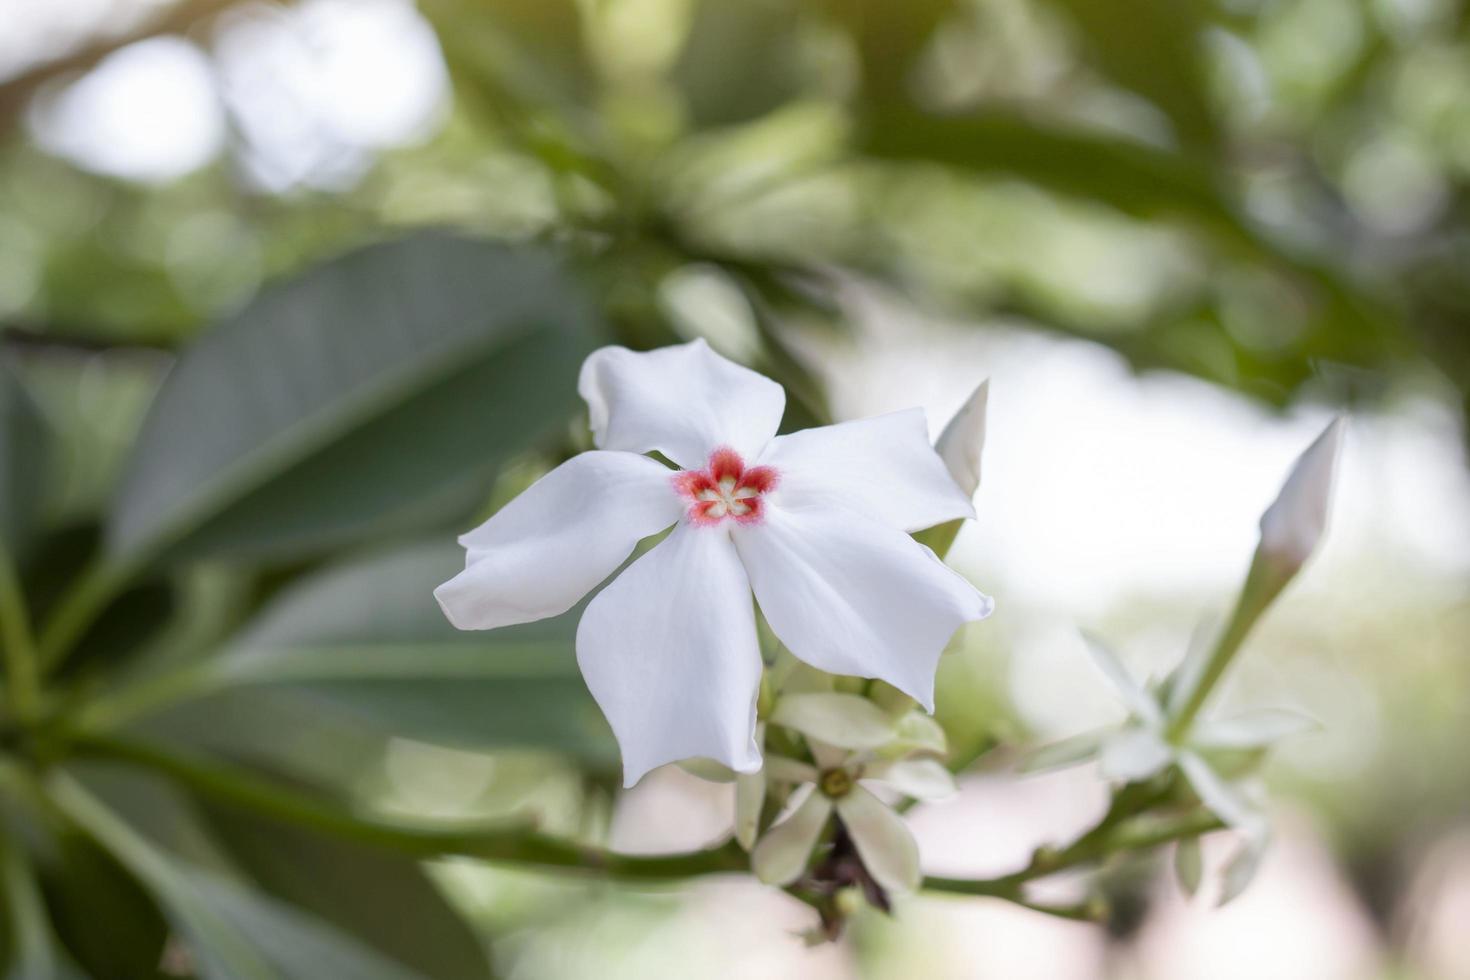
(33, 952)
(519, 843)
(506, 843)
(78, 610)
(1263, 583)
(114, 709)
(21, 658)
(1087, 849)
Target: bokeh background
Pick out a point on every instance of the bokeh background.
(1178, 236)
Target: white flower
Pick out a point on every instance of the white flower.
(815, 523)
(1140, 748)
(872, 750)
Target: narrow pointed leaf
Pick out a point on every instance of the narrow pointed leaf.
(281, 432)
(1188, 865)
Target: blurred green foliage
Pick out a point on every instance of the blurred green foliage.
(238, 428)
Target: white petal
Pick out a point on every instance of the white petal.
(844, 720)
(750, 796)
(683, 401)
(1132, 754)
(1139, 702)
(784, 770)
(1292, 526)
(781, 856)
(1253, 730)
(1218, 796)
(1067, 752)
(923, 779)
(963, 440)
(852, 596)
(882, 839)
(883, 467)
(554, 543)
(825, 755)
(669, 651)
(1187, 675)
(918, 732)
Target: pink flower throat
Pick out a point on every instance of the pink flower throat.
(726, 488)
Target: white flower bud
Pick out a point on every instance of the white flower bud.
(1292, 526)
(963, 440)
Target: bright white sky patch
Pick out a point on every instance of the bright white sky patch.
(317, 89)
(148, 112)
(1101, 486)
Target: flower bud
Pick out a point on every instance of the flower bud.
(1292, 526)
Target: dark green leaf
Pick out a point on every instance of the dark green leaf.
(1137, 179)
(101, 915)
(889, 38)
(23, 439)
(384, 900)
(1345, 323)
(373, 393)
(751, 41)
(229, 932)
(1154, 48)
(369, 638)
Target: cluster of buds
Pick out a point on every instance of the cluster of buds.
(844, 758)
(822, 817)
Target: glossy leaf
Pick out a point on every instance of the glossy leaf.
(384, 901)
(1154, 48)
(100, 914)
(23, 457)
(367, 638)
(229, 932)
(372, 393)
(752, 40)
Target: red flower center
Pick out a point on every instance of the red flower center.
(725, 489)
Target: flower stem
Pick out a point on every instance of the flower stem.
(1088, 848)
(1263, 583)
(78, 610)
(519, 843)
(507, 842)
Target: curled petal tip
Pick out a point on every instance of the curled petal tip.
(963, 440)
